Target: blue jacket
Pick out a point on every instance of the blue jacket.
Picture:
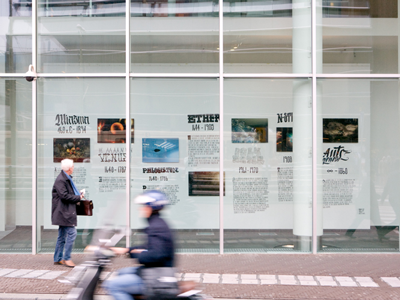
(160, 245)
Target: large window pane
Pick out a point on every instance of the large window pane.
(15, 165)
(358, 36)
(174, 36)
(358, 165)
(176, 149)
(15, 36)
(267, 161)
(81, 36)
(272, 36)
(84, 120)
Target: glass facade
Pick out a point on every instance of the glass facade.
(359, 204)
(272, 125)
(70, 113)
(174, 36)
(186, 167)
(16, 165)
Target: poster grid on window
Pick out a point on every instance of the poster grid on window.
(127, 75)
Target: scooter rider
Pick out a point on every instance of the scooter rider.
(159, 251)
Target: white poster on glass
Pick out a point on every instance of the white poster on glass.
(344, 158)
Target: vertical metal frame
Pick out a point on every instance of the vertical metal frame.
(128, 119)
(34, 129)
(221, 126)
(314, 122)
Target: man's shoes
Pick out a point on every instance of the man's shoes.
(59, 263)
(69, 263)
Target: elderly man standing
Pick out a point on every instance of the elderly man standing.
(63, 213)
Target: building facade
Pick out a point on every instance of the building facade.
(272, 125)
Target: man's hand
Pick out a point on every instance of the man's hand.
(81, 196)
(119, 250)
(137, 250)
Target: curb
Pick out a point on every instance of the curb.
(9, 296)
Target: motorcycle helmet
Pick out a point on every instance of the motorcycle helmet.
(153, 198)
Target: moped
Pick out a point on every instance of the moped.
(87, 276)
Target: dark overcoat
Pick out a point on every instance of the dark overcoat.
(63, 206)
(160, 245)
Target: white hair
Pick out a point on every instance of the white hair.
(67, 164)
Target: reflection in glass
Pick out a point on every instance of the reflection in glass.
(81, 36)
(358, 36)
(174, 36)
(71, 131)
(16, 166)
(267, 36)
(176, 150)
(358, 170)
(175, 8)
(81, 8)
(15, 36)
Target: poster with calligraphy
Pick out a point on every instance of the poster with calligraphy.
(344, 155)
(83, 120)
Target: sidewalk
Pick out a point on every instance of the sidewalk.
(230, 276)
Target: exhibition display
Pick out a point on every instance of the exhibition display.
(272, 126)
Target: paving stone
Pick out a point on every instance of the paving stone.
(51, 275)
(210, 280)
(250, 281)
(308, 282)
(269, 281)
(328, 283)
(267, 277)
(230, 281)
(18, 273)
(192, 275)
(392, 281)
(347, 283)
(305, 278)
(344, 279)
(368, 284)
(210, 275)
(230, 278)
(286, 277)
(363, 279)
(35, 274)
(288, 282)
(324, 278)
(248, 276)
(191, 279)
(6, 271)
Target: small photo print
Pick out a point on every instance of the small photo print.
(113, 131)
(249, 130)
(160, 150)
(204, 183)
(340, 130)
(76, 149)
(284, 139)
